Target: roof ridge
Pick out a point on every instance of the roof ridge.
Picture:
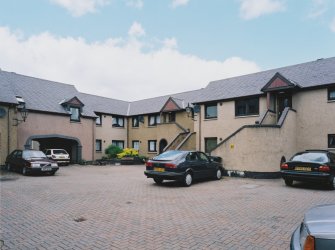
(104, 97)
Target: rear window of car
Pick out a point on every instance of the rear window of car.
(59, 152)
(33, 154)
(168, 156)
(316, 157)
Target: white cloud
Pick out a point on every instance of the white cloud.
(332, 25)
(80, 7)
(319, 7)
(137, 4)
(176, 3)
(170, 43)
(136, 30)
(116, 68)
(251, 9)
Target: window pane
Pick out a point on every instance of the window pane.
(331, 141)
(211, 111)
(210, 143)
(98, 145)
(121, 122)
(152, 120)
(135, 121)
(152, 146)
(136, 145)
(114, 121)
(98, 120)
(74, 114)
(331, 94)
(158, 119)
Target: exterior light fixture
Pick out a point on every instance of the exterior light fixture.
(189, 110)
(23, 111)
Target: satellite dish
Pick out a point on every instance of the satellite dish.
(2, 112)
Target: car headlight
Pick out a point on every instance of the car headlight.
(35, 165)
(54, 165)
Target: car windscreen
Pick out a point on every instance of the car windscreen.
(169, 155)
(315, 157)
(33, 154)
(59, 152)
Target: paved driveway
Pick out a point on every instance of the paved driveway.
(116, 207)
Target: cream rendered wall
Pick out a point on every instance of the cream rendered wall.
(259, 149)
(107, 133)
(8, 133)
(167, 131)
(45, 124)
(315, 119)
(226, 122)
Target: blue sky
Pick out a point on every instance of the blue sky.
(134, 49)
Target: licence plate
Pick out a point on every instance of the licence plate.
(46, 169)
(303, 169)
(159, 169)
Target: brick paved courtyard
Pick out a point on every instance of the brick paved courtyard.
(116, 207)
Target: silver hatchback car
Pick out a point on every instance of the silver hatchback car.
(317, 231)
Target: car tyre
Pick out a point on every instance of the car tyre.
(8, 167)
(158, 180)
(289, 182)
(218, 174)
(52, 172)
(24, 171)
(332, 183)
(188, 179)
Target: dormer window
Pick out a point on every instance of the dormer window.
(75, 114)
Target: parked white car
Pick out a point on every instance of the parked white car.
(59, 155)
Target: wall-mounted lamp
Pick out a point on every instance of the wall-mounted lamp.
(23, 111)
(189, 110)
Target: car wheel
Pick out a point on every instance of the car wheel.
(188, 179)
(158, 180)
(24, 171)
(332, 183)
(288, 182)
(8, 167)
(218, 175)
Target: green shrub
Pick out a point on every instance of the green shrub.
(111, 151)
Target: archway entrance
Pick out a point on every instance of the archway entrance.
(162, 144)
(71, 144)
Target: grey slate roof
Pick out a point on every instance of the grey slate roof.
(310, 74)
(154, 105)
(44, 95)
(105, 105)
(38, 94)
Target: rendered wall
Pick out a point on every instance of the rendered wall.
(167, 131)
(107, 133)
(46, 124)
(315, 119)
(259, 149)
(225, 124)
(8, 133)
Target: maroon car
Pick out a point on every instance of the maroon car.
(30, 162)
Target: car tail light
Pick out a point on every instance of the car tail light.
(149, 164)
(309, 243)
(284, 166)
(170, 165)
(324, 169)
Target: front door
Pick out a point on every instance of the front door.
(162, 145)
(284, 100)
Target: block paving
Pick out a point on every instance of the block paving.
(117, 207)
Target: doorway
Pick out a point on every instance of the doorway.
(162, 144)
(284, 100)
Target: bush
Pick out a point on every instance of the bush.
(127, 152)
(111, 151)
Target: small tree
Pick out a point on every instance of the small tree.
(111, 151)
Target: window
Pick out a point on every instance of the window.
(211, 111)
(203, 157)
(172, 117)
(331, 141)
(210, 143)
(118, 121)
(136, 145)
(331, 94)
(98, 120)
(118, 143)
(75, 114)
(136, 122)
(98, 145)
(152, 146)
(154, 120)
(246, 107)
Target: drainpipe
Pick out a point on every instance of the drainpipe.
(8, 132)
(93, 139)
(200, 129)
